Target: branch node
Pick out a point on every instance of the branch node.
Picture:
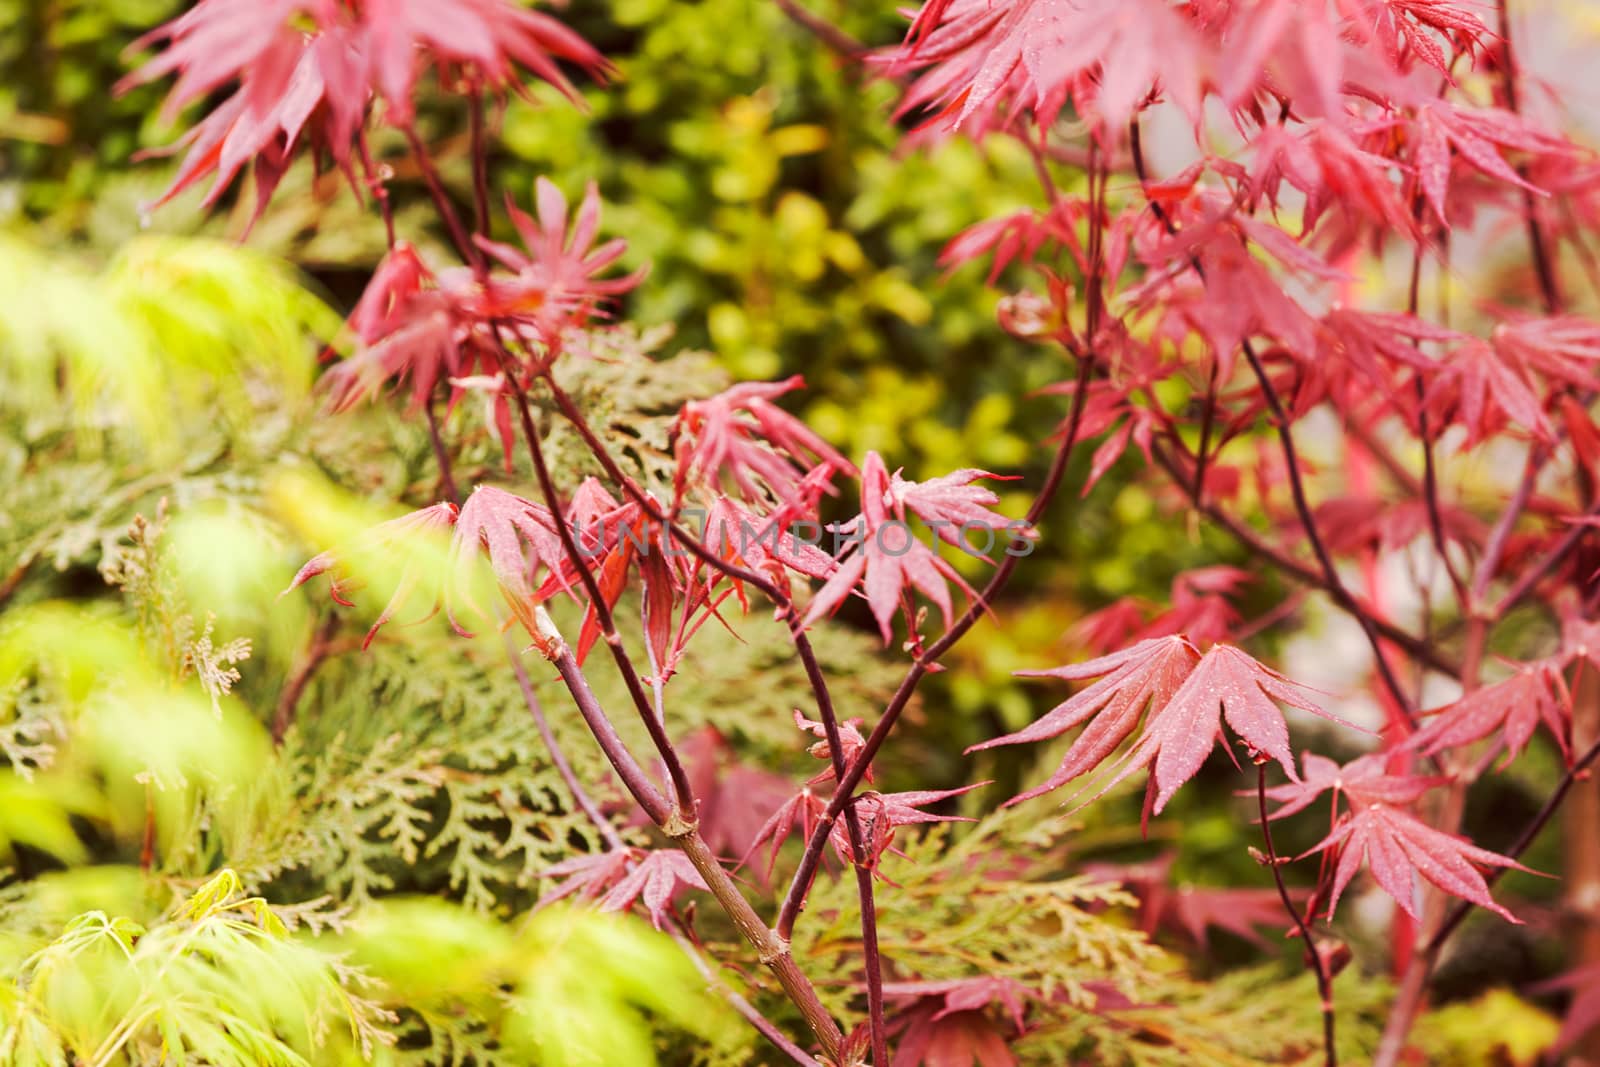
(773, 950)
(678, 825)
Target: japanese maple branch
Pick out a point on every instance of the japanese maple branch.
(1281, 424)
(447, 481)
(613, 841)
(1421, 651)
(752, 1014)
(316, 653)
(794, 899)
(1314, 958)
(464, 244)
(1543, 264)
(1545, 564)
(872, 959)
(597, 602)
(1546, 812)
(772, 950)
(558, 758)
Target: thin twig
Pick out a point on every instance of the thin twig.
(558, 758)
(441, 455)
(1422, 651)
(795, 897)
(317, 650)
(613, 841)
(871, 957)
(597, 602)
(441, 202)
(1314, 958)
(1519, 846)
(752, 1014)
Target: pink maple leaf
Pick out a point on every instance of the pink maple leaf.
(887, 560)
(1507, 711)
(1147, 674)
(556, 282)
(1189, 698)
(291, 83)
(656, 879)
(953, 506)
(881, 814)
(397, 546)
(1396, 847)
(1362, 781)
(491, 37)
(500, 524)
(589, 876)
(742, 433)
(947, 1024)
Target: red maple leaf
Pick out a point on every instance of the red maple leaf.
(881, 814)
(1145, 675)
(412, 323)
(886, 560)
(992, 61)
(947, 1024)
(740, 432)
(954, 508)
(1193, 909)
(556, 282)
(1188, 697)
(490, 37)
(1397, 847)
(659, 875)
(802, 812)
(501, 523)
(1363, 781)
(770, 545)
(1507, 711)
(399, 546)
(297, 85)
(1200, 607)
(589, 876)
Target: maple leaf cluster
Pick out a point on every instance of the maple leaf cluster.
(309, 71)
(1211, 313)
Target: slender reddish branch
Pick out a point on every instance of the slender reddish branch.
(1314, 958)
(464, 245)
(1422, 651)
(316, 653)
(613, 840)
(558, 758)
(609, 636)
(1281, 424)
(634, 779)
(871, 956)
(794, 900)
(1578, 771)
(441, 456)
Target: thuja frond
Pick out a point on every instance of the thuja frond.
(32, 723)
(420, 764)
(972, 904)
(1259, 1015)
